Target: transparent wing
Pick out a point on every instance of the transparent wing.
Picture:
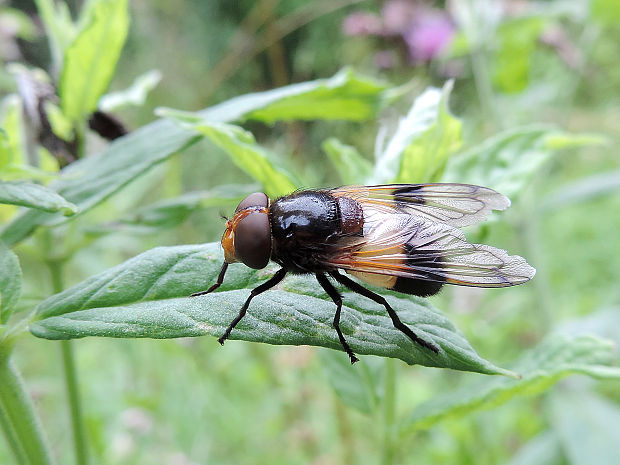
(454, 204)
(413, 247)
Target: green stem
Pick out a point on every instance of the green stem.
(68, 362)
(389, 412)
(17, 418)
(77, 423)
(484, 87)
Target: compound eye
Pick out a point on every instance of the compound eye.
(253, 240)
(257, 199)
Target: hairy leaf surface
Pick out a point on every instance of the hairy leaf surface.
(147, 297)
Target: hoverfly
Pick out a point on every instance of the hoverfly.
(402, 237)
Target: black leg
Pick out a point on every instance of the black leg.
(333, 293)
(355, 287)
(275, 279)
(218, 283)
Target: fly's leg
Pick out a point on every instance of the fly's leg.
(335, 296)
(358, 288)
(218, 283)
(275, 279)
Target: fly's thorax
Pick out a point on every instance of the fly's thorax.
(305, 216)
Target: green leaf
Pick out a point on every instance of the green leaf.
(350, 165)
(587, 426)
(11, 144)
(90, 60)
(517, 40)
(607, 12)
(147, 297)
(423, 142)
(345, 96)
(558, 356)
(243, 150)
(61, 126)
(169, 213)
(358, 386)
(10, 282)
(508, 161)
(544, 449)
(36, 196)
(582, 190)
(134, 95)
(59, 27)
(92, 179)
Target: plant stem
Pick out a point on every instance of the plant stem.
(77, 423)
(17, 418)
(389, 412)
(68, 363)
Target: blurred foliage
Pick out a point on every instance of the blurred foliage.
(521, 96)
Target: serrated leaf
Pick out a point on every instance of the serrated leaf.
(587, 426)
(147, 297)
(243, 150)
(558, 356)
(10, 282)
(350, 165)
(90, 60)
(90, 180)
(508, 161)
(134, 95)
(424, 141)
(31, 195)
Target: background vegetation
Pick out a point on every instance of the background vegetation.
(521, 96)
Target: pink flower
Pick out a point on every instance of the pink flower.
(428, 36)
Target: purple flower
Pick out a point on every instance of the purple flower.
(428, 36)
(425, 30)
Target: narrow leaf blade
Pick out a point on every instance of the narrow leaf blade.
(36, 196)
(10, 282)
(560, 355)
(345, 96)
(169, 213)
(90, 60)
(508, 161)
(243, 150)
